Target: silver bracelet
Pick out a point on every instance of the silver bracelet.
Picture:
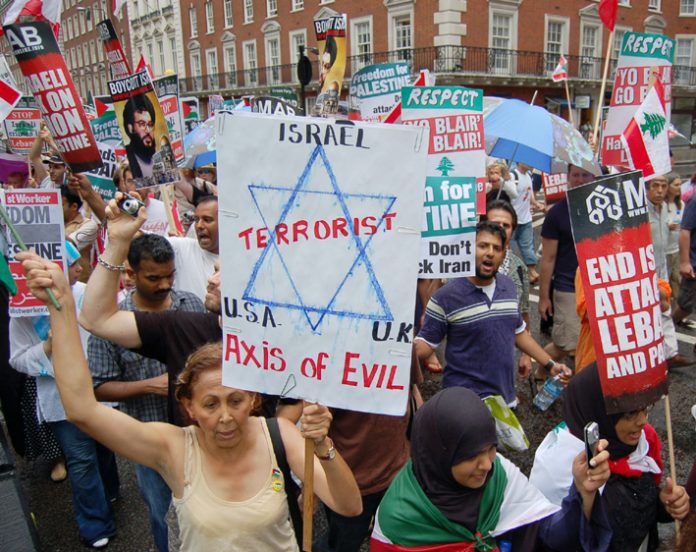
(108, 266)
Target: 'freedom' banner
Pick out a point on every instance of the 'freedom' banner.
(376, 89)
(39, 57)
(616, 258)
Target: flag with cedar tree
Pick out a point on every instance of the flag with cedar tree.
(560, 73)
(646, 138)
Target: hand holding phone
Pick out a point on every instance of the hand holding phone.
(591, 440)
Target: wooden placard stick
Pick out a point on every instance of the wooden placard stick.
(308, 496)
(670, 448)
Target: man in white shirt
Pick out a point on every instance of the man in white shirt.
(195, 258)
(524, 203)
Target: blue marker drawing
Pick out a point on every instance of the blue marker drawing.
(352, 291)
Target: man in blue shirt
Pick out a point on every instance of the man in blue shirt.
(479, 315)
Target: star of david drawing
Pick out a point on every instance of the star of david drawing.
(345, 287)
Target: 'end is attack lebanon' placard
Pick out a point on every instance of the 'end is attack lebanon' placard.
(39, 57)
(38, 217)
(641, 54)
(611, 229)
(319, 245)
(455, 168)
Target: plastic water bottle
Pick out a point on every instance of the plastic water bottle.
(549, 393)
(505, 546)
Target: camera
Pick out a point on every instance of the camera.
(130, 205)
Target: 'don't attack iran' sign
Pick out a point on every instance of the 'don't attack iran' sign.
(455, 175)
(611, 229)
(318, 250)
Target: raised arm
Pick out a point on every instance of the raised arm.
(80, 183)
(147, 444)
(40, 171)
(334, 483)
(100, 314)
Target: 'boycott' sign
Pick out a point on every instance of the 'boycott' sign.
(38, 54)
(617, 264)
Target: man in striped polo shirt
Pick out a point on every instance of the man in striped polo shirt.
(479, 315)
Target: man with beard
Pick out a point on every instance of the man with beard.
(139, 122)
(195, 258)
(479, 315)
(140, 383)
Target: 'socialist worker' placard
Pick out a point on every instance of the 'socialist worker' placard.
(456, 165)
(319, 241)
(617, 263)
(38, 217)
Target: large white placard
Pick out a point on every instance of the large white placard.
(319, 244)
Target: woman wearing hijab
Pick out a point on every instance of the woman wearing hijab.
(457, 494)
(632, 496)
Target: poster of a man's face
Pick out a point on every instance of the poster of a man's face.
(139, 119)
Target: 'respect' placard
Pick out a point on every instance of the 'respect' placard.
(319, 257)
(611, 228)
(455, 175)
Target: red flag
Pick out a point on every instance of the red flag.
(607, 13)
(39, 10)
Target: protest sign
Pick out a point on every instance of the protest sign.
(555, 186)
(106, 128)
(114, 50)
(287, 93)
(22, 125)
(641, 54)
(455, 168)
(167, 89)
(376, 89)
(319, 250)
(611, 229)
(144, 130)
(215, 103)
(102, 178)
(331, 36)
(269, 105)
(190, 111)
(38, 54)
(37, 216)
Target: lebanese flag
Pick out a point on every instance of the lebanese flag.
(607, 13)
(646, 138)
(9, 96)
(40, 10)
(560, 73)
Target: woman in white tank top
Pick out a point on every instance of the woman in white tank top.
(227, 488)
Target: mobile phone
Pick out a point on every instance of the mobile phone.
(129, 205)
(591, 440)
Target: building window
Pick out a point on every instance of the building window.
(683, 55)
(626, 3)
(654, 5)
(273, 60)
(502, 42)
(250, 64)
(248, 11)
(193, 17)
(209, 18)
(297, 39)
(92, 53)
(160, 53)
(230, 54)
(196, 70)
(590, 56)
(228, 13)
(556, 42)
(212, 63)
(361, 43)
(687, 7)
(174, 54)
(271, 8)
(150, 54)
(618, 40)
(297, 5)
(402, 36)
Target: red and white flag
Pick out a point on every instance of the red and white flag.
(9, 96)
(646, 138)
(116, 6)
(560, 73)
(40, 10)
(142, 64)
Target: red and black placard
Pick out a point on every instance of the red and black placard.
(114, 50)
(611, 228)
(39, 57)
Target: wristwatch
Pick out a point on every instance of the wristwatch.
(550, 364)
(330, 454)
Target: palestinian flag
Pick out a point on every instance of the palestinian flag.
(646, 138)
(560, 73)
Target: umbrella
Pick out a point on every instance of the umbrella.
(529, 134)
(10, 163)
(199, 145)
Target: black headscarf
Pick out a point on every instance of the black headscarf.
(584, 403)
(451, 427)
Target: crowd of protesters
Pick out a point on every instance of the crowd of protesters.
(131, 364)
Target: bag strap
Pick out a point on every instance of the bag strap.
(291, 489)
